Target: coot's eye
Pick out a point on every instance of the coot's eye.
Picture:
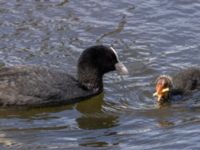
(112, 58)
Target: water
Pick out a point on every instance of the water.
(152, 37)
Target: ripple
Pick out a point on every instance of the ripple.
(152, 37)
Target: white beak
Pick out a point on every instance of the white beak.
(121, 69)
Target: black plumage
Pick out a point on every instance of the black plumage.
(181, 83)
(41, 86)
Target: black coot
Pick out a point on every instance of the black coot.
(41, 86)
(180, 84)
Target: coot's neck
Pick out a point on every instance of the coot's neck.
(90, 79)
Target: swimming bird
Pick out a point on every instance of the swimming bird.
(182, 83)
(42, 86)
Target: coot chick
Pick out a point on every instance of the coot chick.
(182, 83)
(41, 86)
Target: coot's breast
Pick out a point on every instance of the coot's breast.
(33, 85)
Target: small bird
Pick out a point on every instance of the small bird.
(182, 83)
(42, 86)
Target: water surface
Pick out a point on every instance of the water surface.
(152, 37)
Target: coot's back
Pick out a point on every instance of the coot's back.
(37, 86)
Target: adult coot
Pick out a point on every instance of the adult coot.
(40, 86)
(183, 82)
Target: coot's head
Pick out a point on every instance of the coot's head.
(94, 62)
(163, 88)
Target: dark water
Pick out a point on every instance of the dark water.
(152, 37)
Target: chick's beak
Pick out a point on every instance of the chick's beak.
(160, 92)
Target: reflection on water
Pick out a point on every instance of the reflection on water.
(89, 110)
(93, 116)
(152, 37)
(91, 106)
(6, 142)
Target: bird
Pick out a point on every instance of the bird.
(34, 85)
(182, 83)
